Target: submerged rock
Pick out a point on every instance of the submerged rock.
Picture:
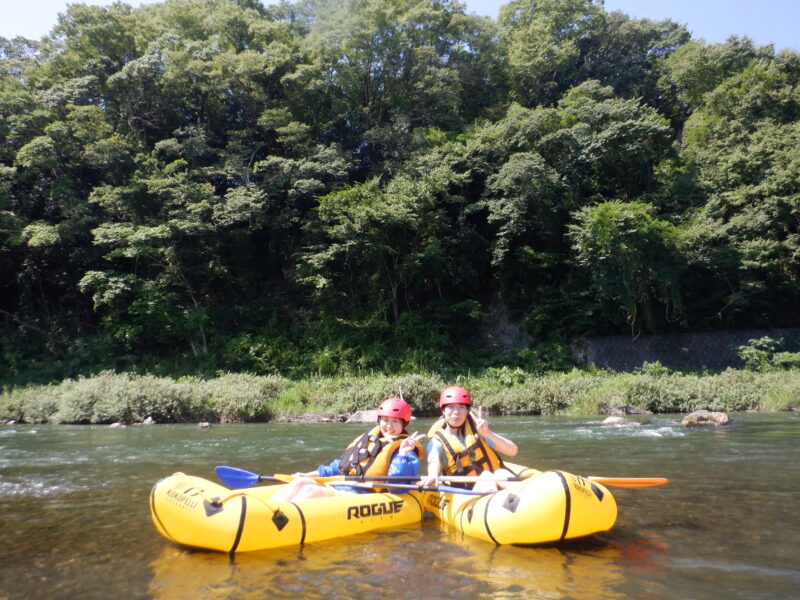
(619, 422)
(629, 410)
(313, 418)
(705, 417)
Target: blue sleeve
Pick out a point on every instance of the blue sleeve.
(404, 465)
(329, 470)
(435, 447)
(400, 466)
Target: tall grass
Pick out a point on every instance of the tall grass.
(241, 397)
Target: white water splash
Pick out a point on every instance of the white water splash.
(34, 487)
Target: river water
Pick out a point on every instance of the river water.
(76, 524)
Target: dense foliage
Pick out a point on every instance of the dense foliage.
(236, 397)
(339, 186)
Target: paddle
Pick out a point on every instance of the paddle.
(423, 488)
(629, 482)
(377, 481)
(239, 478)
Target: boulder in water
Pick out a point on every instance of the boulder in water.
(619, 422)
(628, 410)
(363, 416)
(705, 417)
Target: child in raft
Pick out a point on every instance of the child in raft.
(386, 449)
(463, 445)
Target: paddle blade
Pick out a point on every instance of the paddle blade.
(236, 478)
(630, 482)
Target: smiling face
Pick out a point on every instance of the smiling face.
(455, 415)
(391, 426)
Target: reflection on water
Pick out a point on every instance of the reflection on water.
(76, 522)
(412, 562)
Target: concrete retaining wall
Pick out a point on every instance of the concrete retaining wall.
(714, 350)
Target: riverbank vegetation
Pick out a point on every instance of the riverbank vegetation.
(126, 398)
(325, 189)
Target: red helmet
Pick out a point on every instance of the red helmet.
(395, 407)
(454, 394)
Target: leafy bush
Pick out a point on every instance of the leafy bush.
(755, 354)
(654, 369)
(244, 397)
(786, 360)
(546, 358)
(761, 355)
(262, 354)
(420, 391)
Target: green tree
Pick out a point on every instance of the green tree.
(628, 55)
(381, 70)
(343, 184)
(633, 261)
(382, 248)
(743, 145)
(542, 39)
(694, 69)
(553, 45)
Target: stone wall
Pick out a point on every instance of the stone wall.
(713, 350)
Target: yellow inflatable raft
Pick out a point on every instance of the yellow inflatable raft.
(196, 512)
(547, 507)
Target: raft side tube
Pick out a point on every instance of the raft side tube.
(548, 507)
(196, 512)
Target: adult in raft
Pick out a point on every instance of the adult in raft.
(464, 445)
(386, 449)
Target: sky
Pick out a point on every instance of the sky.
(764, 21)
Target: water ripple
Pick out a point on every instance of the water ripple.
(35, 487)
(8, 432)
(735, 567)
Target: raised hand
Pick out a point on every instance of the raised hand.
(481, 425)
(410, 443)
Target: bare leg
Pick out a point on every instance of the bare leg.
(485, 483)
(296, 490)
(312, 491)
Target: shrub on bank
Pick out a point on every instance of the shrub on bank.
(781, 395)
(242, 397)
(338, 395)
(110, 397)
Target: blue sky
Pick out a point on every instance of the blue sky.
(765, 21)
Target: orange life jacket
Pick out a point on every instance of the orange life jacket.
(470, 456)
(371, 454)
